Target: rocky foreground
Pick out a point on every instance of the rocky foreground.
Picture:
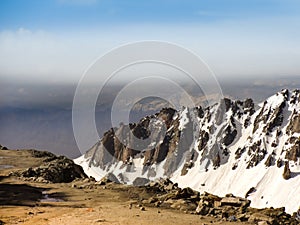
(165, 194)
(42, 188)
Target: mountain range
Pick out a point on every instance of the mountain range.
(233, 146)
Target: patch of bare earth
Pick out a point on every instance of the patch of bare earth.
(77, 202)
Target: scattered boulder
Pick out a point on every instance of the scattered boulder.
(235, 201)
(140, 181)
(259, 217)
(202, 210)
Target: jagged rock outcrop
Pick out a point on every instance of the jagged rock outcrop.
(3, 147)
(54, 169)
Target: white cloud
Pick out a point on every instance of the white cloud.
(229, 48)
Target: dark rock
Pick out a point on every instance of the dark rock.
(202, 210)
(249, 106)
(3, 147)
(257, 154)
(228, 103)
(251, 190)
(270, 161)
(274, 144)
(200, 111)
(58, 170)
(279, 163)
(294, 125)
(186, 193)
(276, 119)
(42, 154)
(286, 171)
(216, 161)
(230, 135)
(242, 217)
(239, 152)
(294, 152)
(140, 181)
(234, 166)
(204, 137)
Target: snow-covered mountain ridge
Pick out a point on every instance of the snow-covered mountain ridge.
(229, 147)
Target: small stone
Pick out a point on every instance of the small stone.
(142, 208)
(100, 221)
(232, 219)
(262, 223)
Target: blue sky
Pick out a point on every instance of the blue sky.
(42, 39)
(61, 14)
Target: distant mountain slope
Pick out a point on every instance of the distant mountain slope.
(229, 147)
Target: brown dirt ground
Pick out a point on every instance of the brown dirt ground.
(20, 201)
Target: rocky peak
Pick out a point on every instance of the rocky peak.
(232, 135)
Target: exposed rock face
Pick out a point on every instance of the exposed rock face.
(197, 141)
(55, 169)
(179, 137)
(293, 153)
